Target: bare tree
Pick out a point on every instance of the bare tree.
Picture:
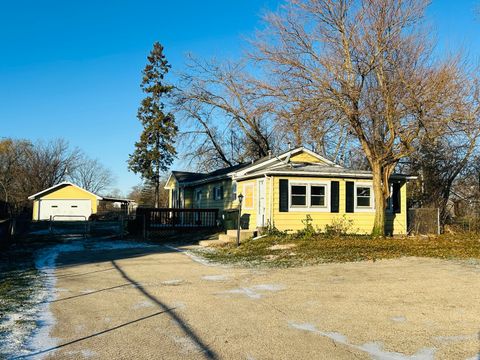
(50, 162)
(27, 168)
(228, 120)
(91, 175)
(366, 64)
(144, 194)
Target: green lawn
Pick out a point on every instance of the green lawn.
(283, 250)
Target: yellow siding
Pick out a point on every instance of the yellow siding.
(362, 221)
(305, 158)
(35, 210)
(68, 192)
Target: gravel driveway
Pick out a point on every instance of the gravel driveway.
(157, 303)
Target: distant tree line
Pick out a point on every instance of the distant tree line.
(29, 167)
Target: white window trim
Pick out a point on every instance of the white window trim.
(308, 207)
(371, 208)
(198, 191)
(217, 188)
(245, 194)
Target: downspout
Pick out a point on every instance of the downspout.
(270, 201)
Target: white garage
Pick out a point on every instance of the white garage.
(65, 209)
(64, 202)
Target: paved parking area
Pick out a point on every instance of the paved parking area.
(157, 303)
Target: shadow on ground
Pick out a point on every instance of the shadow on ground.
(91, 255)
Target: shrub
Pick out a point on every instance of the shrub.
(339, 227)
(308, 229)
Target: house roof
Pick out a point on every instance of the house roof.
(60, 185)
(306, 169)
(185, 177)
(276, 164)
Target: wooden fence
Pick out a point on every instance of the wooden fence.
(170, 218)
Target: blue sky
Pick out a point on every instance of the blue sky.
(71, 69)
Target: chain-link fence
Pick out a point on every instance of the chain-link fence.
(424, 221)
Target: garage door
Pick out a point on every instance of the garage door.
(65, 210)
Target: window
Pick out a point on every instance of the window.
(218, 193)
(198, 196)
(234, 191)
(317, 195)
(174, 198)
(298, 195)
(248, 196)
(312, 196)
(363, 197)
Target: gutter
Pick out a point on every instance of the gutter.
(322, 174)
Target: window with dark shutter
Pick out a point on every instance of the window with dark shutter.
(349, 196)
(334, 197)
(283, 191)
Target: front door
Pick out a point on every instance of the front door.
(261, 203)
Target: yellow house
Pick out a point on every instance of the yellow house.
(64, 201)
(284, 190)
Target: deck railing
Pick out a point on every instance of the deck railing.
(170, 218)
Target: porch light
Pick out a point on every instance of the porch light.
(240, 198)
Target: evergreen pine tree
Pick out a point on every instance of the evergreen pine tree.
(155, 150)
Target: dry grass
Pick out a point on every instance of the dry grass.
(323, 249)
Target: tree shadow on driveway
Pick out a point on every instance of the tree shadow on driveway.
(84, 257)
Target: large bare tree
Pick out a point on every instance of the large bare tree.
(366, 64)
(228, 121)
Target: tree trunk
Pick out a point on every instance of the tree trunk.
(380, 201)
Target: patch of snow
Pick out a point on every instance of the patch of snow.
(195, 257)
(86, 353)
(399, 318)
(22, 340)
(215, 277)
(118, 245)
(187, 344)
(179, 305)
(374, 349)
(253, 292)
(269, 287)
(142, 305)
(172, 282)
(87, 291)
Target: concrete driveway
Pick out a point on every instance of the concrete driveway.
(157, 303)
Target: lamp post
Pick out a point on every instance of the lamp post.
(240, 199)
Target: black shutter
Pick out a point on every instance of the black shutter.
(396, 198)
(283, 195)
(221, 192)
(334, 197)
(349, 197)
